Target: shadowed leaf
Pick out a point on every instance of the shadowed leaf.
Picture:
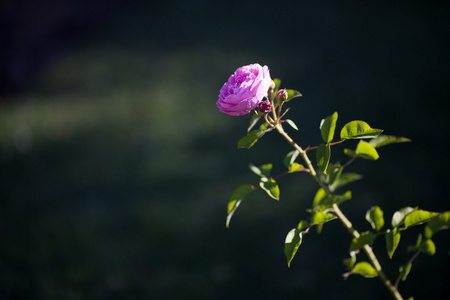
(384, 140)
(365, 238)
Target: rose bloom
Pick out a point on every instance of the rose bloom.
(244, 90)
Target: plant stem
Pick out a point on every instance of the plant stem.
(367, 249)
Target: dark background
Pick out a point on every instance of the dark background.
(116, 166)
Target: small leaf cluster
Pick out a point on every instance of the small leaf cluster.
(401, 220)
(267, 183)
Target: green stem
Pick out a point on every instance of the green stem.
(409, 262)
(367, 249)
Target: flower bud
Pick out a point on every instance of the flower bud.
(265, 106)
(282, 95)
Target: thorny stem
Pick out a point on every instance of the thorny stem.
(367, 249)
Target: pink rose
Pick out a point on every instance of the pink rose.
(244, 90)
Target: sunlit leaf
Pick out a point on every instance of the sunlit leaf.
(320, 195)
(270, 186)
(365, 238)
(290, 122)
(441, 222)
(236, 198)
(323, 157)
(359, 130)
(344, 179)
(399, 216)
(428, 247)
(262, 171)
(366, 151)
(418, 217)
(295, 167)
(404, 270)
(375, 217)
(365, 269)
(383, 140)
(392, 240)
(291, 244)
(327, 127)
(320, 217)
(292, 94)
(290, 158)
(302, 225)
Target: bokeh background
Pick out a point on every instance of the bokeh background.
(116, 166)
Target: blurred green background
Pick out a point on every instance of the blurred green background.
(116, 166)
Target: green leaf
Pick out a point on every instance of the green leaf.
(291, 244)
(295, 167)
(366, 151)
(337, 199)
(441, 222)
(290, 122)
(416, 246)
(392, 240)
(364, 269)
(418, 217)
(323, 157)
(236, 198)
(285, 112)
(350, 152)
(254, 120)
(383, 140)
(292, 94)
(359, 130)
(428, 247)
(277, 83)
(334, 171)
(404, 270)
(327, 127)
(345, 179)
(302, 225)
(365, 238)
(399, 216)
(271, 187)
(262, 171)
(320, 195)
(375, 217)
(320, 217)
(252, 137)
(290, 158)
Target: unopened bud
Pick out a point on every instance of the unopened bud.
(265, 106)
(282, 95)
